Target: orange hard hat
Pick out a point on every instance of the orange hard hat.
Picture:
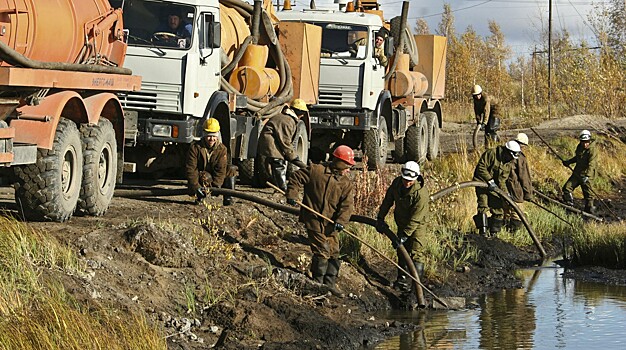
(344, 153)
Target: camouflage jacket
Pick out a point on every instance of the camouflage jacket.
(212, 160)
(586, 160)
(411, 212)
(492, 166)
(276, 139)
(325, 192)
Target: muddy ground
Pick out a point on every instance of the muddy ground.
(237, 279)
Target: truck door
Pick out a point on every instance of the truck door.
(209, 68)
(377, 71)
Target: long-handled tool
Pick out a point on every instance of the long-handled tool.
(551, 212)
(572, 170)
(415, 278)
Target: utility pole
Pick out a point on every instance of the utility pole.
(550, 60)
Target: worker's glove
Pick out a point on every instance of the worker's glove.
(585, 179)
(297, 162)
(492, 185)
(200, 194)
(381, 225)
(292, 202)
(399, 240)
(338, 227)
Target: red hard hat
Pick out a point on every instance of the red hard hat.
(344, 153)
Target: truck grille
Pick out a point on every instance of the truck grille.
(338, 96)
(164, 98)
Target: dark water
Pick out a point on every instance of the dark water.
(548, 313)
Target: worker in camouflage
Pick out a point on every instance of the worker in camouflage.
(586, 159)
(519, 185)
(276, 143)
(410, 196)
(329, 191)
(207, 164)
(494, 168)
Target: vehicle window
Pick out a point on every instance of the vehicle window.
(345, 41)
(157, 24)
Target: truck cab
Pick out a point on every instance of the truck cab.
(175, 47)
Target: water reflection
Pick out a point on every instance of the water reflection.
(548, 313)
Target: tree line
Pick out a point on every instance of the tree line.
(587, 78)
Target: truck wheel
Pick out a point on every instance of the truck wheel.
(398, 153)
(433, 135)
(99, 167)
(301, 146)
(247, 172)
(417, 140)
(375, 145)
(49, 189)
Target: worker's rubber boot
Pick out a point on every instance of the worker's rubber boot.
(568, 198)
(495, 225)
(279, 173)
(589, 207)
(481, 222)
(403, 282)
(229, 183)
(319, 265)
(514, 225)
(331, 276)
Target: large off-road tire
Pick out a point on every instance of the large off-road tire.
(416, 140)
(409, 46)
(301, 146)
(398, 152)
(49, 189)
(99, 167)
(432, 151)
(375, 145)
(247, 168)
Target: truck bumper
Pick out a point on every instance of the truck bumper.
(344, 120)
(163, 130)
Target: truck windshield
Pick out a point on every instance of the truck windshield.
(157, 23)
(344, 40)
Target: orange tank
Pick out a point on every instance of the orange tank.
(55, 30)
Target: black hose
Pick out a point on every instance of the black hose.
(16, 59)
(567, 207)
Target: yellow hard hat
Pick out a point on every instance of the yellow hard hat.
(212, 125)
(299, 103)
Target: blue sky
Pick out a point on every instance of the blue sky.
(520, 20)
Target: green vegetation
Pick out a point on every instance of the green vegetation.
(41, 315)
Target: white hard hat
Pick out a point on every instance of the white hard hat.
(585, 135)
(522, 138)
(477, 90)
(514, 148)
(410, 171)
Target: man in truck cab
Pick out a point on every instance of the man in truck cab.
(379, 45)
(276, 142)
(207, 164)
(175, 31)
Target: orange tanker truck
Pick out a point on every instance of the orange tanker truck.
(61, 124)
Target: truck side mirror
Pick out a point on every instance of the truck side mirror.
(211, 32)
(389, 46)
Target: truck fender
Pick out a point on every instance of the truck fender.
(383, 108)
(40, 122)
(108, 106)
(218, 108)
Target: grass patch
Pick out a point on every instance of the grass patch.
(43, 316)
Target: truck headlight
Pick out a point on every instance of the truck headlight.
(162, 130)
(346, 120)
